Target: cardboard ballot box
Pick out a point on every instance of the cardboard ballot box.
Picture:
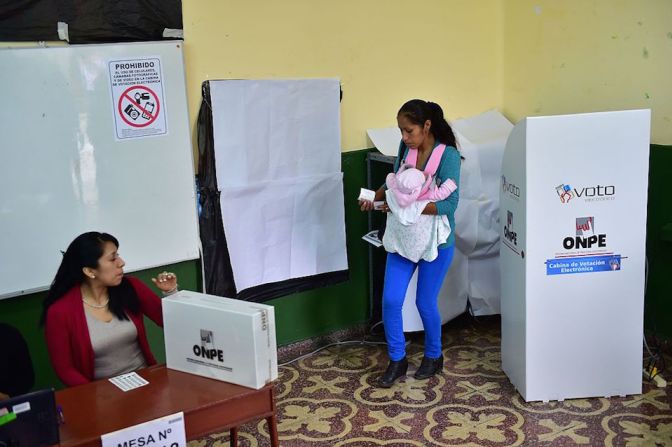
(221, 338)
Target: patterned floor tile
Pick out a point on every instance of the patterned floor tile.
(330, 399)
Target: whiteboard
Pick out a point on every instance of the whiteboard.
(74, 158)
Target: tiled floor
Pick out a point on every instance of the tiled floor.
(328, 399)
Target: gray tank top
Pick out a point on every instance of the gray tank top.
(115, 347)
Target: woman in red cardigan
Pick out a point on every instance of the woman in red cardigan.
(93, 314)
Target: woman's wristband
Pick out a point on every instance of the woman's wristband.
(170, 292)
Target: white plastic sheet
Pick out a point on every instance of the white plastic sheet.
(386, 140)
(482, 141)
(277, 150)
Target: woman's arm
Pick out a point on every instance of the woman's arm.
(365, 205)
(380, 193)
(430, 209)
(440, 192)
(58, 331)
(150, 303)
(448, 169)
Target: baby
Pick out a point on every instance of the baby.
(411, 185)
(410, 233)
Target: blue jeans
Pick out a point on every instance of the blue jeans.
(398, 273)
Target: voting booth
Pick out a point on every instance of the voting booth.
(220, 338)
(573, 222)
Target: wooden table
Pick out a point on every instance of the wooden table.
(209, 406)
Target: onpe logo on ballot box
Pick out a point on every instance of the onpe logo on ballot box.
(585, 236)
(207, 347)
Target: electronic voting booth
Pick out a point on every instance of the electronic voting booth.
(573, 230)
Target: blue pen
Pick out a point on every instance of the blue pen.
(61, 418)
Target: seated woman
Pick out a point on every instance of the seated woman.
(93, 314)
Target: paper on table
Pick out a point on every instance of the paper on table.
(386, 140)
(129, 381)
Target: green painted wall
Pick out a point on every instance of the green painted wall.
(658, 309)
(298, 316)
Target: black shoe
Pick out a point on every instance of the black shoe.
(429, 367)
(393, 372)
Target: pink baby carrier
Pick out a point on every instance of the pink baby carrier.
(407, 189)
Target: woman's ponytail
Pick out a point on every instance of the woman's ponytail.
(440, 127)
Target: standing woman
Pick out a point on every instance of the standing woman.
(93, 314)
(423, 128)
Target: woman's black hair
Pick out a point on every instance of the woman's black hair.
(418, 111)
(85, 251)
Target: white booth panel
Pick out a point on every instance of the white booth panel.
(580, 286)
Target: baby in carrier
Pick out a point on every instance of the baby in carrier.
(410, 233)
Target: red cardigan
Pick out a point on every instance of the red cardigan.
(68, 339)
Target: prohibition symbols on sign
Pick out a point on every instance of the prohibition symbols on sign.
(139, 106)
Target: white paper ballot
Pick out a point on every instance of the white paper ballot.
(366, 194)
(372, 238)
(129, 381)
